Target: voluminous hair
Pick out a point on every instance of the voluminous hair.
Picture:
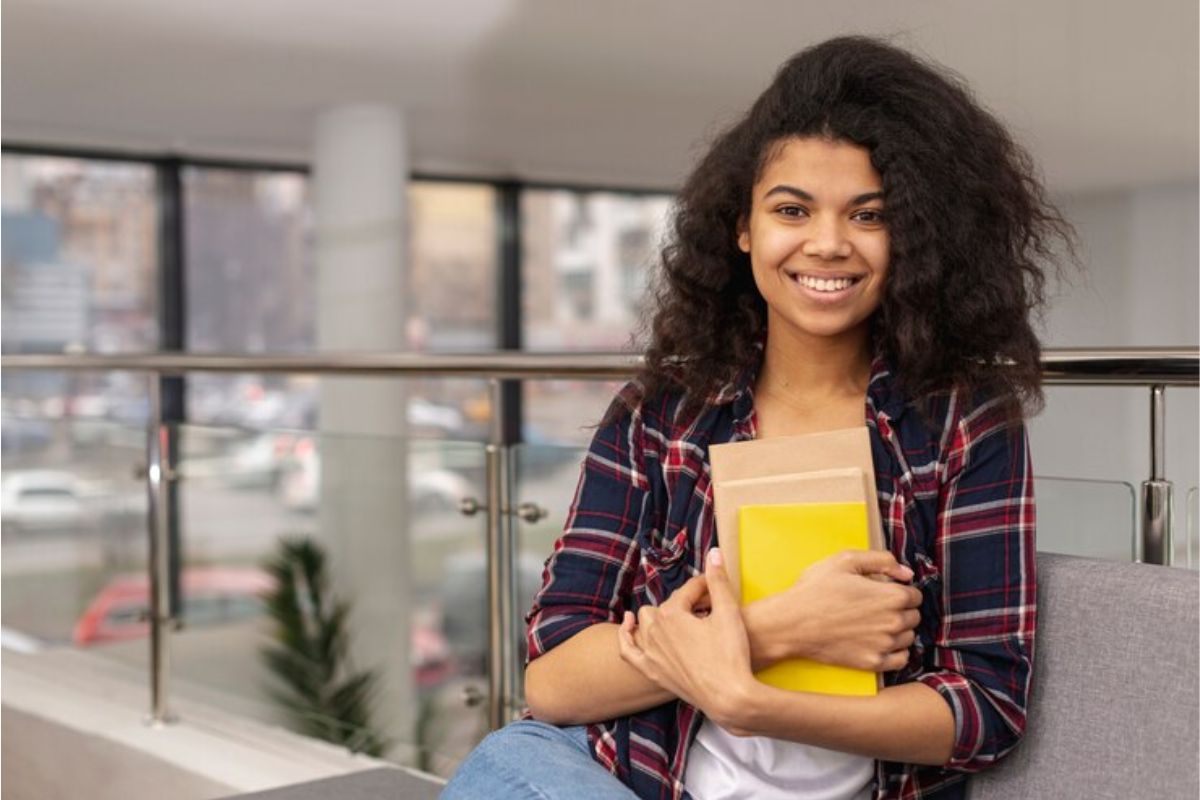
(969, 224)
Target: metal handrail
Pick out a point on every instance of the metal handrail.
(1156, 368)
(1142, 366)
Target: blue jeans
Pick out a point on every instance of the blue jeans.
(530, 759)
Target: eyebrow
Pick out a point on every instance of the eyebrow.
(782, 188)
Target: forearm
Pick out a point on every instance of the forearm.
(909, 723)
(585, 680)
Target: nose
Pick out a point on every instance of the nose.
(826, 239)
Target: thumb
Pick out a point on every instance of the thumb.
(720, 590)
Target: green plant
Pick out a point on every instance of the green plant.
(316, 685)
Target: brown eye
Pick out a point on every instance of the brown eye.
(870, 216)
(791, 211)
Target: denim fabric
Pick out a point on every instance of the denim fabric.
(531, 759)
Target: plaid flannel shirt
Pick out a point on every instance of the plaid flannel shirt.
(956, 499)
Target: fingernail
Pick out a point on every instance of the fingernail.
(715, 559)
(907, 571)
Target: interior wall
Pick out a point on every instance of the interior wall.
(1138, 286)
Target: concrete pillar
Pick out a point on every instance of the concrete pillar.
(360, 184)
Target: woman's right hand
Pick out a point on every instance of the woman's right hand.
(839, 613)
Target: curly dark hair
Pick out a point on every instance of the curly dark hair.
(969, 224)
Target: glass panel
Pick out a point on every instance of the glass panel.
(587, 261)
(587, 258)
(248, 245)
(1191, 530)
(1090, 518)
(74, 532)
(80, 256)
(453, 277)
(251, 273)
(409, 566)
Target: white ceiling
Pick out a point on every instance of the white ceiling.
(613, 92)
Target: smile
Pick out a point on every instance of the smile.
(825, 285)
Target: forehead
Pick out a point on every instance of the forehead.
(818, 164)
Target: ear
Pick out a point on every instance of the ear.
(743, 239)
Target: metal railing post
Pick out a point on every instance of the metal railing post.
(158, 473)
(1157, 501)
(502, 653)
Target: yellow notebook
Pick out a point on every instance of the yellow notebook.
(778, 542)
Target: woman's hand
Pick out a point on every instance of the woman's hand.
(701, 659)
(839, 613)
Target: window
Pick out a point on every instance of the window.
(587, 258)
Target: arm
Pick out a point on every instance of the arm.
(585, 680)
(981, 661)
(575, 674)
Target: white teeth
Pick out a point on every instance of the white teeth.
(824, 284)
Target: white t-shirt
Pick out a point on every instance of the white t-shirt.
(722, 766)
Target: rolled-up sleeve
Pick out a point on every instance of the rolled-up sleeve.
(590, 571)
(982, 659)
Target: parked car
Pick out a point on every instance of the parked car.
(55, 501)
(431, 491)
(210, 596)
(41, 501)
(226, 595)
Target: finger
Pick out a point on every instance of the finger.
(875, 562)
(691, 594)
(910, 618)
(902, 641)
(626, 645)
(720, 590)
(895, 661)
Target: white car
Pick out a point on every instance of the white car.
(54, 501)
(430, 491)
(41, 500)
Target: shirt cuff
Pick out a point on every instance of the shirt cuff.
(968, 727)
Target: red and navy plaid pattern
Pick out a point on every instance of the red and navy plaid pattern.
(956, 496)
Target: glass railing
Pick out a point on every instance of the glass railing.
(73, 513)
(382, 514)
(412, 568)
(1189, 554)
(1092, 518)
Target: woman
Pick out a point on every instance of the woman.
(863, 246)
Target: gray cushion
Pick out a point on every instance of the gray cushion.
(1115, 711)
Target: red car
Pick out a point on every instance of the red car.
(222, 595)
(210, 596)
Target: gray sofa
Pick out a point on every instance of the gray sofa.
(1115, 711)
(1116, 707)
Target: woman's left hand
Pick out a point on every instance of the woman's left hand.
(703, 660)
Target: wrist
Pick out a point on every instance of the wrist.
(770, 644)
(737, 708)
(765, 649)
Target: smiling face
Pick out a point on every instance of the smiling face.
(817, 240)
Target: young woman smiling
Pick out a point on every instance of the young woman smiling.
(863, 247)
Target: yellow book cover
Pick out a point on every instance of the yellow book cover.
(776, 544)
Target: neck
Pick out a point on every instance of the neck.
(797, 365)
